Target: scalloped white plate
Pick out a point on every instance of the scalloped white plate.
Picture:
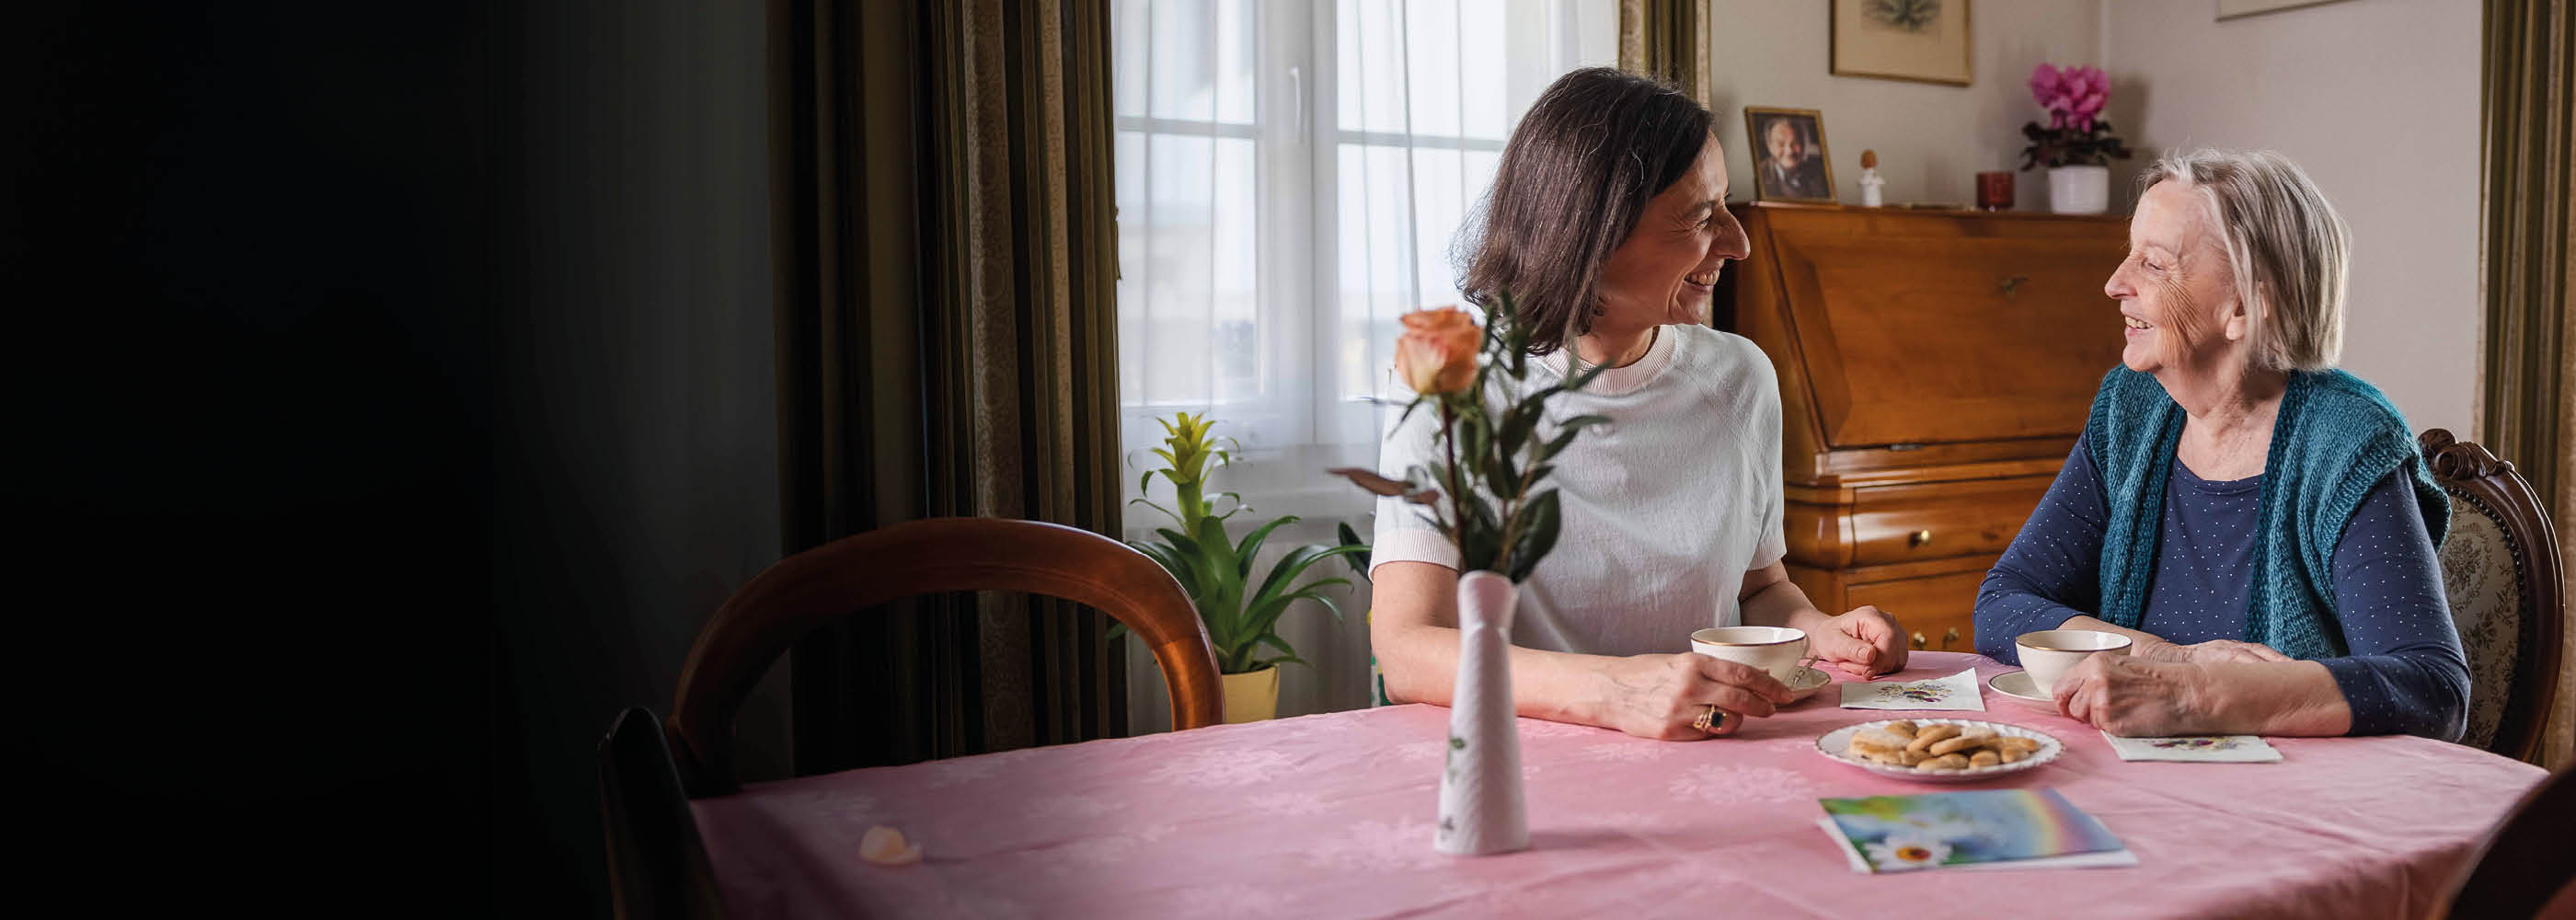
(1832, 744)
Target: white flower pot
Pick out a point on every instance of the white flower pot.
(1481, 810)
(2079, 189)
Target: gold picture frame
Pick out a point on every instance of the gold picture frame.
(1811, 178)
(1925, 41)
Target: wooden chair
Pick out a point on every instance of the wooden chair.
(2500, 569)
(761, 621)
(657, 865)
(2523, 869)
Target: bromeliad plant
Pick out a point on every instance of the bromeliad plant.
(1242, 620)
(1483, 490)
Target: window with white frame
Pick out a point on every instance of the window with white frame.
(1292, 175)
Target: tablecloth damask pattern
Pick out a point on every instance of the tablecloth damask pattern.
(1330, 815)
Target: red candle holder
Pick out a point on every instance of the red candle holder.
(1995, 191)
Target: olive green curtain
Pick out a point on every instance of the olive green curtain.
(2529, 97)
(942, 226)
(1667, 39)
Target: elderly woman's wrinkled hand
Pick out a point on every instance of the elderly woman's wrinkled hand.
(1865, 642)
(1659, 696)
(2133, 697)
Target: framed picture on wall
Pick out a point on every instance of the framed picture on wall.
(2230, 9)
(1789, 161)
(1920, 40)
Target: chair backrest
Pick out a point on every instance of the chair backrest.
(2523, 868)
(2500, 569)
(760, 622)
(657, 864)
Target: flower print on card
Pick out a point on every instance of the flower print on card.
(1956, 692)
(1897, 854)
(2197, 748)
(1929, 692)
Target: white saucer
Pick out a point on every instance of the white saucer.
(1808, 682)
(2019, 686)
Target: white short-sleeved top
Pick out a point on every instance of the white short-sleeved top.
(1665, 508)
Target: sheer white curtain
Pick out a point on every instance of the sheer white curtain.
(1291, 177)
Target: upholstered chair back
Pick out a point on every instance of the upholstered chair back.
(2500, 570)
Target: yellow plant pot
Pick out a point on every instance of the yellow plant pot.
(1252, 696)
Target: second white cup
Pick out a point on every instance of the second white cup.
(1777, 650)
(2049, 652)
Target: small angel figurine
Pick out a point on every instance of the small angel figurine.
(1869, 180)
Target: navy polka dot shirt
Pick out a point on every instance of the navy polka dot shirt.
(2405, 675)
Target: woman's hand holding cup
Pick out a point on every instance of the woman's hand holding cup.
(1660, 696)
(2133, 697)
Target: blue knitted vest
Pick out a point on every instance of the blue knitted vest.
(2335, 438)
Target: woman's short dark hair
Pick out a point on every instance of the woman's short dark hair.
(1574, 180)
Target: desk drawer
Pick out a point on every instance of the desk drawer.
(1936, 520)
(1942, 609)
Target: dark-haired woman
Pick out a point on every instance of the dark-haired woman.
(1607, 222)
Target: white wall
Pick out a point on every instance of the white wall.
(1931, 139)
(2378, 99)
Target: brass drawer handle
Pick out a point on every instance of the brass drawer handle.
(1918, 538)
(1919, 640)
(1949, 637)
(2010, 284)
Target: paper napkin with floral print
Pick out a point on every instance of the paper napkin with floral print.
(2201, 748)
(1955, 692)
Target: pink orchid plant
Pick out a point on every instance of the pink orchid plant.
(2076, 133)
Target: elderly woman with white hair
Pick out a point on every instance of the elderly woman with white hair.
(2257, 522)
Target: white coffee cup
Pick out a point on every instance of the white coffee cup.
(1777, 650)
(2049, 652)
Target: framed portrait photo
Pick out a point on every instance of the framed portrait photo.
(1921, 40)
(1789, 161)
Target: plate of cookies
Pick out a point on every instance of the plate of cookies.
(1939, 750)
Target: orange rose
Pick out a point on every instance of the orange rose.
(1437, 353)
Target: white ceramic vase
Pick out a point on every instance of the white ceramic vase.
(1481, 810)
(2079, 189)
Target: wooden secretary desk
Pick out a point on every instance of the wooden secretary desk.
(1935, 368)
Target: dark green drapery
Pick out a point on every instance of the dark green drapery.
(2529, 386)
(946, 284)
(1667, 39)
(2529, 88)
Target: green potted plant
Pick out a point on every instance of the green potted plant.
(1242, 616)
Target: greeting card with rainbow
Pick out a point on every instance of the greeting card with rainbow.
(1896, 833)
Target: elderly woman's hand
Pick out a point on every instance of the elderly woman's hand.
(1659, 696)
(1865, 642)
(2135, 697)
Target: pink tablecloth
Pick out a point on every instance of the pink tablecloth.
(1330, 816)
